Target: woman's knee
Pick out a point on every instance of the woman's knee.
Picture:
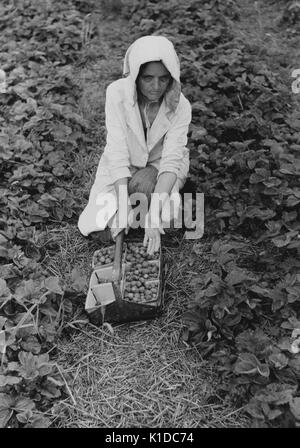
(143, 181)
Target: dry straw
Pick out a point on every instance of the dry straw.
(143, 374)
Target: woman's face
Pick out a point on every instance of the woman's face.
(153, 80)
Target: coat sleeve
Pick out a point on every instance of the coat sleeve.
(116, 151)
(174, 149)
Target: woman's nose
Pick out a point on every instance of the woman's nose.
(156, 84)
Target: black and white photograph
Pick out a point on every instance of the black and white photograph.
(150, 217)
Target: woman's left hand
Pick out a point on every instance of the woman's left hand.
(152, 235)
(152, 240)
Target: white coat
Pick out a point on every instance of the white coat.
(127, 149)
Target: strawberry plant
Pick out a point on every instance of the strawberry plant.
(41, 132)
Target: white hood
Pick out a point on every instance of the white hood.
(148, 49)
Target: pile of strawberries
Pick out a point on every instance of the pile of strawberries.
(142, 275)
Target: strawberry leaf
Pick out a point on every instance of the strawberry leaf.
(53, 285)
(295, 407)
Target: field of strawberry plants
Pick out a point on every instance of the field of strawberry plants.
(244, 140)
(41, 131)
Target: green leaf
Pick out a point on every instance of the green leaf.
(24, 404)
(5, 294)
(254, 409)
(31, 344)
(271, 414)
(6, 404)
(39, 422)
(254, 341)
(262, 292)
(5, 415)
(295, 407)
(50, 390)
(276, 394)
(292, 169)
(3, 342)
(292, 201)
(8, 271)
(79, 280)
(293, 293)
(294, 364)
(291, 324)
(28, 368)
(48, 331)
(246, 364)
(55, 381)
(24, 417)
(278, 360)
(28, 289)
(256, 212)
(5, 152)
(284, 240)
(53, 285)
(260, 175)
(6, 401)
(9, 380)
(263, 369)
(237, 276)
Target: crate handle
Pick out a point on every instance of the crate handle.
(117, 264)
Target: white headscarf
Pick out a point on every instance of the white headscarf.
(149, 49)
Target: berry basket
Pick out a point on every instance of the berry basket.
(105, 256)
(141, 286)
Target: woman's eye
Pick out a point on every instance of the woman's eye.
(147, 78)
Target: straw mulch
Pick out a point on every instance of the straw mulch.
(142, 374)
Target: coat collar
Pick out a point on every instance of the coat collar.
(161, 123)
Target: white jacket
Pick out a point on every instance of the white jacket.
(126, 148)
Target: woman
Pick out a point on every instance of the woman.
(147, 120)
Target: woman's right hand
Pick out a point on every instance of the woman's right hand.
(120, 222)
(153, 232)
(121, 219)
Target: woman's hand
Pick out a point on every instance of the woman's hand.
(153, 224)
(152, 239)
(120, 223)
(152, 236)
(116, 230)
(120, 220)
